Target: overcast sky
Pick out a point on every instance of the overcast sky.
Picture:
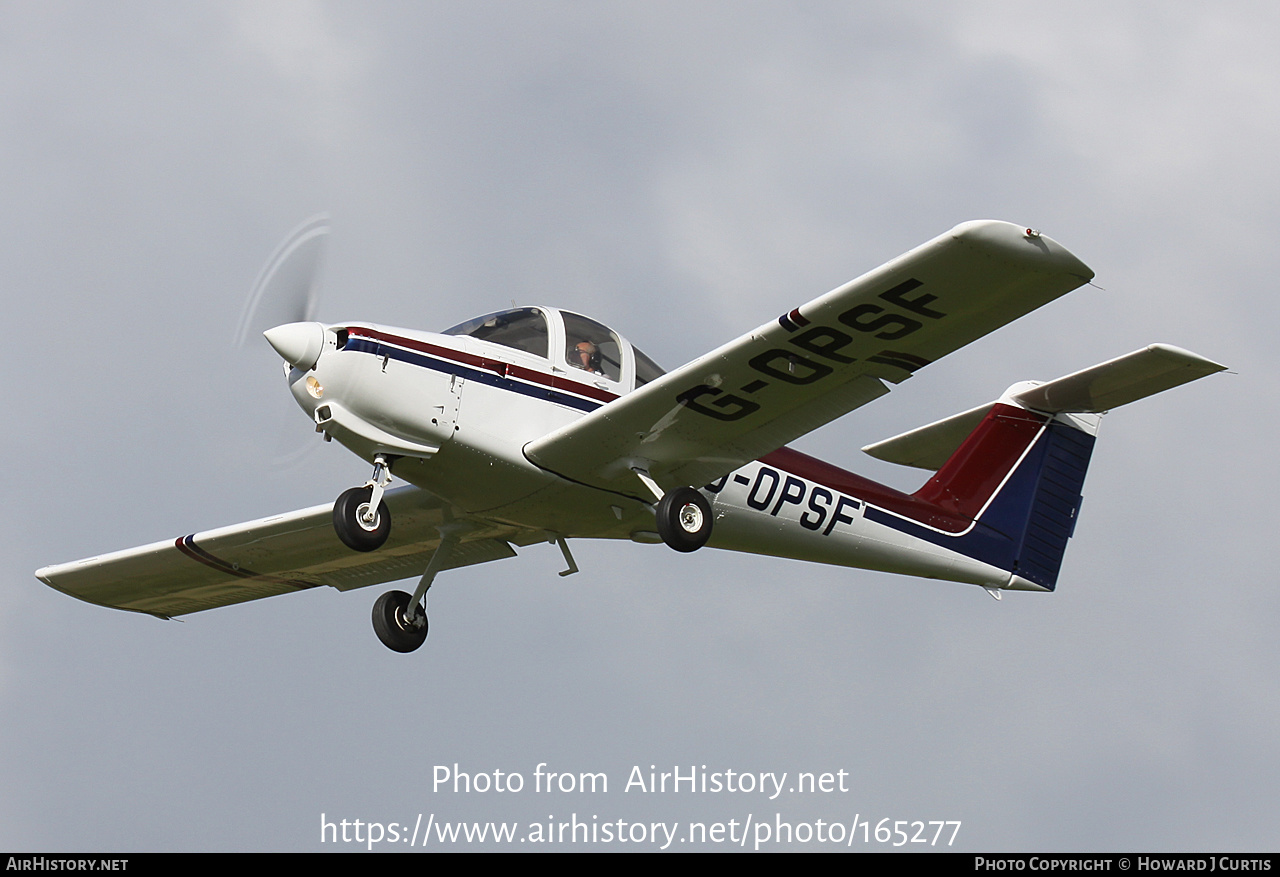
(683, 172)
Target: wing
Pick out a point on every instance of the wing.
(276, 555)
(815, 363)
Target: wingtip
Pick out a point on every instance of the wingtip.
(1194, 360)
(1022, 243)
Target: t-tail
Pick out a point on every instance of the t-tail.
(1010, 474)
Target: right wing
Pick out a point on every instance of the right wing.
(276, 555)
(815, 363)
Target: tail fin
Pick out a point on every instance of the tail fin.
(1015, 468)
(1018, 476)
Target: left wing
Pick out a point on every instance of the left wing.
(275, 555)
(815, 363)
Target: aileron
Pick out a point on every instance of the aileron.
(276, 555)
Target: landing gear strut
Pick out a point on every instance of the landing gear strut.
(683, 515)
(360, 517)
(400, 619)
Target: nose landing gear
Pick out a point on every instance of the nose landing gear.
(360, 517)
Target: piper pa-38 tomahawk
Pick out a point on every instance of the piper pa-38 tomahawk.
(540, 425)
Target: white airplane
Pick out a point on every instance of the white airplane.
(540, 425)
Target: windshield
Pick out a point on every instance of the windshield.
(520, 329)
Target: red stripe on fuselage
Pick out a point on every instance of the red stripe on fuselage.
(952, 499)
(497, 366)
(979, 466)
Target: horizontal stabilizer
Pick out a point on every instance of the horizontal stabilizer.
(1126, 379)
(928, 447)
(1094, 390)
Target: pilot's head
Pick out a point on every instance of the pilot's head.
(587, 356)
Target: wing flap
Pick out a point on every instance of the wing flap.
(276, 555)
(815, 363)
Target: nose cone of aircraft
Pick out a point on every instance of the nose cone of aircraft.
(299, 343)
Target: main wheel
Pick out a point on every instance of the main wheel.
(684, 519)
(391, 627)
(350, 525)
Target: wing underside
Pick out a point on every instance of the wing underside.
(815, 363)
(275, 555)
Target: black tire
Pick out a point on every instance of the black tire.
(353, 532)
(684, 519)
(390, 626)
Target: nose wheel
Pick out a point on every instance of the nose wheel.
(390, 622)
(360, 517)
(358, 524)
(684, 519)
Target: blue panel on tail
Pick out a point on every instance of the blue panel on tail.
(1025, 527)
(1056, 502)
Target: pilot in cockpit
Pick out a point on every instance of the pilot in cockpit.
(586, 356)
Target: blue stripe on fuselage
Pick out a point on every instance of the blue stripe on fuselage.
(365, 345)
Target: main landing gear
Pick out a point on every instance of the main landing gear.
(683, 515)
(360, 517)
(684, 519)
(400, 619)
(399, 631)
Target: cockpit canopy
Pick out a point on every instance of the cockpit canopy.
(565, 339)
(521, 329)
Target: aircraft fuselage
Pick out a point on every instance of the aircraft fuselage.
(455, 414)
